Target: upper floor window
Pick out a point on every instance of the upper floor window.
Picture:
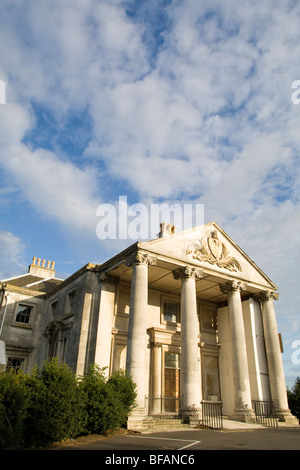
(23, 313)
(171, 312)
(71, 302)
(54, 308)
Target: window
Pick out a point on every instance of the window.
(53, 308)
(71, 301)
(208, 319)
(23, 314)
(171, 312)
(15, 363)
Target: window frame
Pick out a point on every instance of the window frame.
(170, 300)
(19, 314)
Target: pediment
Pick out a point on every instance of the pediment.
(209, 247)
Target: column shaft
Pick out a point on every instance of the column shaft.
(275, 365)
(137, 328)
(190, 370)
(239, 351)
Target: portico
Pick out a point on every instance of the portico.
(200, 325)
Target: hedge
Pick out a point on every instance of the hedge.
(52, 404)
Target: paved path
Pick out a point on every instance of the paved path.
(246, 437)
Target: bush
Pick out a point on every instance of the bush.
(107, 402)
(13, 398)
(56, 408)
(125, 389)
(52, 405)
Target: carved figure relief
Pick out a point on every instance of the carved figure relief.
(213, 251)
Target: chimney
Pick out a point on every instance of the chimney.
(166, 230)
(36, 269)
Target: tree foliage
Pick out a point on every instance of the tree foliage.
(294, 398)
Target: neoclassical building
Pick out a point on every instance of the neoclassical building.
(189, 315)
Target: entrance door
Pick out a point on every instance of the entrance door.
(172, 382)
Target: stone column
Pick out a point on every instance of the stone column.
(156, 378)
(137, 328)
(243, 406)
(190, 368)
(274, 360)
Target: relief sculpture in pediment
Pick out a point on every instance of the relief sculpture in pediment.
(213, 251)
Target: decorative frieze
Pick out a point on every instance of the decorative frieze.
(213, 251)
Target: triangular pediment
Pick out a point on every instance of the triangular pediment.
(209, 247)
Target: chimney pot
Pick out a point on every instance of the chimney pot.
(43, 263)
(48, 264)
(52, 265)
(38, 261)
(34, 260)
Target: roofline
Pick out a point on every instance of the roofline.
(143, 245)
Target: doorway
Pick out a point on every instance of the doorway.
(172, 383)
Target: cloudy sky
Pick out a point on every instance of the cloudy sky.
(159, 101)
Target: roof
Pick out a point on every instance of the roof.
(37, 283)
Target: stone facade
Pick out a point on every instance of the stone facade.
(189, 315)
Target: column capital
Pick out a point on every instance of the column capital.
(231, 286)
(106, 277)
(267, 295)
(187, 271)
(140, 258)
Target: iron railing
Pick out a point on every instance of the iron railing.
(212, 414)
(265, 412)
(164, 407)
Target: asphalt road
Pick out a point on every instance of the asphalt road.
(193, 440)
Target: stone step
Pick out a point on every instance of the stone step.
(169, 424)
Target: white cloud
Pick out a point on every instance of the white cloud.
(57, 189)
(12, 255)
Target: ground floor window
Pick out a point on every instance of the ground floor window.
(15, 363)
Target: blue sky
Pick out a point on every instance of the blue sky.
(161, 101)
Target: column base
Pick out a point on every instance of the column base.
(191, 416)
(286, 417)
(244, 415)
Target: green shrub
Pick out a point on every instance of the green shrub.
(107, 402)
(125, 389)
(13, 399)
(51, 404)
(56, 407)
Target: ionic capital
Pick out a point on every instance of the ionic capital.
(231, 286)
(267, 295)
(106, 277)
(187, 271)
(140, 258)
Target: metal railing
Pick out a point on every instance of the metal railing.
(212, 414)
(164, 407)
(265, 412)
